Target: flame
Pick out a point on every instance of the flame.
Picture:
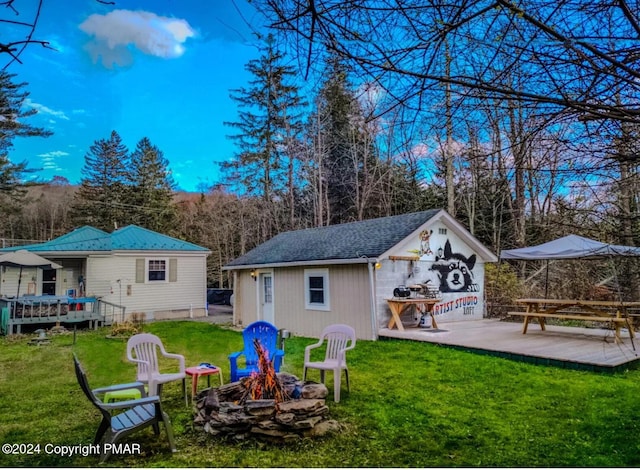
(263, 384)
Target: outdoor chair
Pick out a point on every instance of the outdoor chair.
(122, 418)
(143, 349)
(340, 339)
(267, 334)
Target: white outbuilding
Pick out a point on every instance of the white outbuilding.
(304, 280)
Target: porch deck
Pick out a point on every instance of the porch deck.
(569, 347)
(44, 310)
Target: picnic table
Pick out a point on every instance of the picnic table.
(399, 305)
(615, 313)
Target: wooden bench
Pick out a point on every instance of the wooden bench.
(617, 322)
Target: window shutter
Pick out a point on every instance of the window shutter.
(173, 270)
(140, 270)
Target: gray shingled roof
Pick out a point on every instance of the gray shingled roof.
(368, 238)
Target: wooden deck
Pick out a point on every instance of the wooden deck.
(45, 310)
(569, 347)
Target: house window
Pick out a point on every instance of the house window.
(316, 285)
(268, 289)
(157, 270)
(442, 231)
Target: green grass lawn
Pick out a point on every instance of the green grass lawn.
(411, 405)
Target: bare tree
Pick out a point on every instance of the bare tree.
(314, 169)
(21, 31)
(576, 54)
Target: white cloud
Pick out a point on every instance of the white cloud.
(42, 109)
(49, 159)
(55, 43)
(54, 154)
(115, 32)
(420, 150)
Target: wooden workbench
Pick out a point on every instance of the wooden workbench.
(398, 306)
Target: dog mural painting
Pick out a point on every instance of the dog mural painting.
(424, 251)
(425, 246)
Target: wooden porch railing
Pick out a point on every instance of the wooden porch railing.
(112, 313)
(34, 310)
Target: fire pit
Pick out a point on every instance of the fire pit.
(268, 405)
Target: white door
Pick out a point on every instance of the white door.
(266, 297)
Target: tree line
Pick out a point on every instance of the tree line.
(522, 123)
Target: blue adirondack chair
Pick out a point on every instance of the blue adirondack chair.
(267, 334)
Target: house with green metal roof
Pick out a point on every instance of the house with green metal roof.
(139, 269)
(304, 280)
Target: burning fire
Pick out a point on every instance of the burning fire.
(263, 384)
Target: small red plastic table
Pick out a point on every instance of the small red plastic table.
(200, 371)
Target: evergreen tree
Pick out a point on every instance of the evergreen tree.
(13, 124)
(408, 193)
(101, 198)
(151, 189)
(12, 175)
(348, 158)
(268, 125)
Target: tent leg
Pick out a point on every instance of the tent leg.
(546, 282)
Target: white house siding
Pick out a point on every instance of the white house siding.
(390, 275)
(184, 298)
(349, 300)
(245, 309)
(66, 278)
(9, 280)
(467, 303)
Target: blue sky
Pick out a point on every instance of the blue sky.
(150, 68)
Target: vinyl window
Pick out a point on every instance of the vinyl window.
(316, 285)
(157, 270)
(151, 270)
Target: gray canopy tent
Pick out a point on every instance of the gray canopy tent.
(569, 247)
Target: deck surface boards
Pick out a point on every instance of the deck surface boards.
(567, 346)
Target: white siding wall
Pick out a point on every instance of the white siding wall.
(349, 298)
(349, 301)
(10, 276)
(158, 300)
(455, 306)
(391, 275)
(68, 275)
(245, 309)
(66, 278)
